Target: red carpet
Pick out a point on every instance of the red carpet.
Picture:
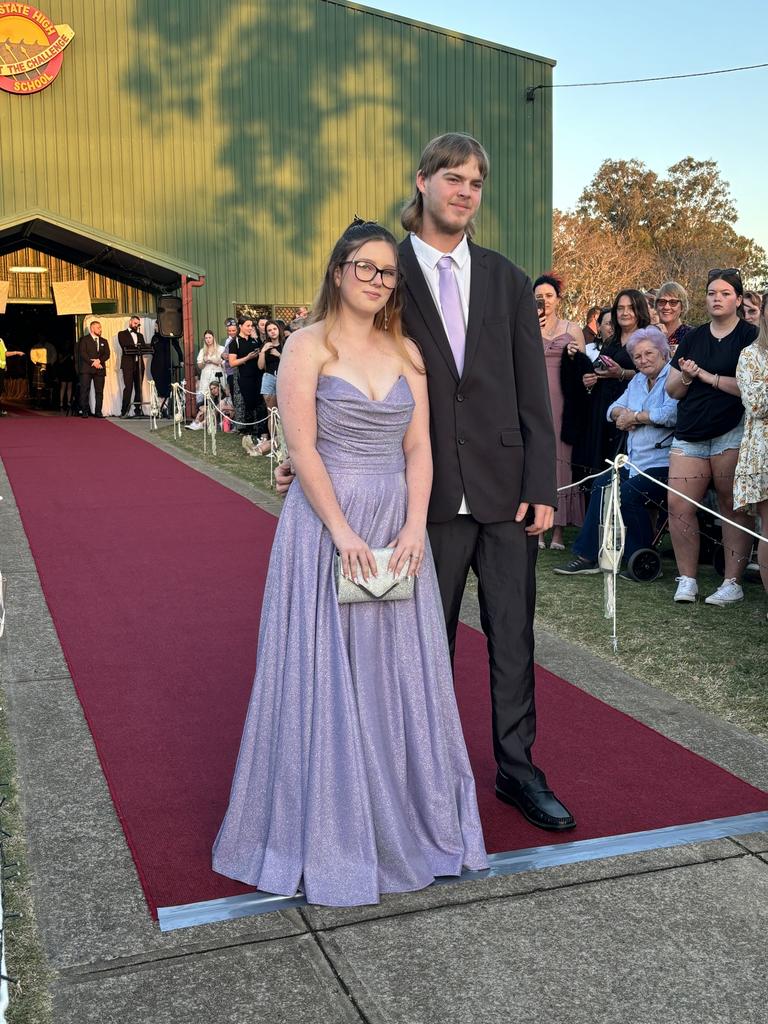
(153, 575)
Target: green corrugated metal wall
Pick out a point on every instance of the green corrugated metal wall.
(242, 137)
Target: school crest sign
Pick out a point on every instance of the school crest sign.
(31, 48)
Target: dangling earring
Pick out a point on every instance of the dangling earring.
(386, 316)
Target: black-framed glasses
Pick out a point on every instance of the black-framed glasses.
(719, 271)
(366, 272)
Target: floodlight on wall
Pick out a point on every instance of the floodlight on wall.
(28, 270)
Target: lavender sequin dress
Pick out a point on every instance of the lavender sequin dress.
(353, 777)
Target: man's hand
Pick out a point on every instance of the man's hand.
(543, 518)
(284, 477)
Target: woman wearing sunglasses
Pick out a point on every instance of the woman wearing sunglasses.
(672, 305)
(710, 424)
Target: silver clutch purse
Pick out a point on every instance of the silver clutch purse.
(383, 587)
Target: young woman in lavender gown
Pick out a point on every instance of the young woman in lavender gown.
(353, 778)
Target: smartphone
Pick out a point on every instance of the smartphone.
(540, 306)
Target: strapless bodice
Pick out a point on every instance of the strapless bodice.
(356, 433)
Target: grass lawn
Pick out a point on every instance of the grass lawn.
(713, 658)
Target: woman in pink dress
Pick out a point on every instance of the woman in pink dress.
(559, 337)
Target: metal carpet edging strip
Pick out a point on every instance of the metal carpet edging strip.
(533, 859)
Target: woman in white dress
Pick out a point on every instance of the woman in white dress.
(209, 362)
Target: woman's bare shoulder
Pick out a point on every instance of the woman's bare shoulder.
(307, 344)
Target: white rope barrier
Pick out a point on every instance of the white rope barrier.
(704, 508)
(613, 530)
(235, 423)
(584, 479)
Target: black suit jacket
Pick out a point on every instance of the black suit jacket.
(492, 433)
(129, 349)
(88, 348)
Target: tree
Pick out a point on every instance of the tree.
(595, 262)
(653, 228)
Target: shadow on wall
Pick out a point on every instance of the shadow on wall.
(306, 112)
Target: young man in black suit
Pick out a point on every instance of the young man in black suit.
(92, 355)
(132, 343)
(473, 314)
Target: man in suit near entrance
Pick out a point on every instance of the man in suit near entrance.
(92, 354)
(132, 344)
(494, 492)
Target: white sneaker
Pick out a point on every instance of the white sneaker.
(194, 425)
(729, 592)
(687, 589)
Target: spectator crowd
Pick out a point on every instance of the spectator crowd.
(687, 405)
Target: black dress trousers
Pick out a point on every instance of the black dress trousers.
(85, 390)
(503, 558)
(133, 376)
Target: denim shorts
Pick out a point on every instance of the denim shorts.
(712, 446)
(269, 384)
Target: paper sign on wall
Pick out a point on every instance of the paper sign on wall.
(71, 297)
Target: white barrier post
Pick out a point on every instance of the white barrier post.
(612, 542)
(154, 406)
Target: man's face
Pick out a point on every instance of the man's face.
(96, 329)
(451, 196)
(133, 323)
(302, 312)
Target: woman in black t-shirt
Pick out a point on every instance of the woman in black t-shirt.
(243, 357)
(707, 437)
(269, 363)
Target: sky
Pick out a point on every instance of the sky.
(721, 117)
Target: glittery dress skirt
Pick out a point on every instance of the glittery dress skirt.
(353, 777)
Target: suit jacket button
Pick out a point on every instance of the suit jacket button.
(461, 440)
(459, 398)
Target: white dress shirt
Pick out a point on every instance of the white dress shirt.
(428, 258)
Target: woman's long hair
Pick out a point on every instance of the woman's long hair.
(280, 331)
(327, 305)
(761, 341)
(640, 307)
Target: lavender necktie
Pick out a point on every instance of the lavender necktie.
(450, 303)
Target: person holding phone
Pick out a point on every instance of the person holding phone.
(561, 340)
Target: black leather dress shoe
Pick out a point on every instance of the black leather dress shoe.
(536, 802)
(98, 415)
